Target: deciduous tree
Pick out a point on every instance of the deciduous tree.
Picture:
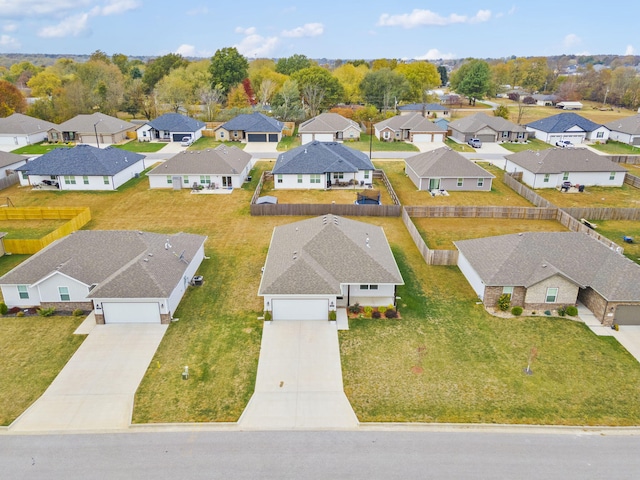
(383, 88)
(472, 79)
(292, 64)
(228, 68)
(11, 99)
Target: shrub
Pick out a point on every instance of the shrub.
(267, 315)
(561, 311)
(20, 314)
(571, 311)
(3, 308)
(46, 312)
(355, 308)
(547, 312)
(367, 311)
(382, 309)
(504, 302)
(376, 314)
(391, 313)
(78, 312)
(332, 315)
(517, 311)
(391, 307)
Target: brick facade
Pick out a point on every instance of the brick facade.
(492, 294)
(165, 318)
(68, 307)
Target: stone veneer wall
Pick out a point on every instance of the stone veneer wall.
(492, 294)
(597, 304)
(68, 306)
(165, 318)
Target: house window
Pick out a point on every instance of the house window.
(481, 182)
(507, 291)
(600, 135)
(25, 175)
(505, 134)
(364, 287)
(185, 180)
(552, 295)
(23, 291)
(85, 180)
(386, 135)
(373, 287)
(338, 176)
(221, 134)
(235, 134)
(105, 179)
(520, 135)
(565, 176)
(314, 178)
(205, 179)
(279, 178)
(299, 178)
(612, 176)
(546, 177)
(169, 179)
(459, 182)
(64, 294)
(69, 180)
(366, 174)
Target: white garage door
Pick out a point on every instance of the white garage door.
(324, 137)
(131, 312)
(422, 137)
(285, 309)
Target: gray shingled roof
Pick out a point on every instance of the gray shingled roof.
(19, 124)
(104, 124)
(327, 123)
(317, 255)
(222, 160)
(562, 122)
(475, 123)
(628, 125)
(81, 160)
(7, 158)
(123, 264)
(175, 122)
(322, 157)
(254, 122)
(414, 122)
(528, 258)
(428, 107)
(445, 163)
(558, 160)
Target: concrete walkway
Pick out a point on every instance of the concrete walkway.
(299, 381)
(95, 390)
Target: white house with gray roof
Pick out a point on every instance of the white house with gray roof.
(9, 162)
(221, 167)
(19, 130)
(550, 168)
(319, 165)
(328, 262)
(170, 127)
(569, 127)
(329, 127)
(445, 169)
(546, 270)
(82, 167)
(94, 129)
(125, 276)
(625, 130)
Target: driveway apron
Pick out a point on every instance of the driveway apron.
(95, 390)
(299, 381)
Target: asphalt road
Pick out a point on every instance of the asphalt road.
(320, 455)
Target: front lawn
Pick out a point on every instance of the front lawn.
(616, 148)
(33, 350)
(365, 143)
(533, 144)
(205, 143)
(458, 147)
(40, 148)
(141, 147)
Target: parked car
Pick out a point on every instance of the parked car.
(564, 144)
(474, 142)
(186, 141)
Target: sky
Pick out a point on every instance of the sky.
(423, 30)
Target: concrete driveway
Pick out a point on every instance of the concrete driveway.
(299, 381)
(262, 147)
(95, 390)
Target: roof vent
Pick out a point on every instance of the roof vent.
(305, 150)
(167, 245)
(150, 254)
(544, 265)
(145, 259)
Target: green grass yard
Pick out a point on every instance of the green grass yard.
(617, 148)
(40, 148)
(141, 147)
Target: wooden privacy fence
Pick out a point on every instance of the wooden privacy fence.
(526, 192)
(630, 159)
(431, 257)
(78, 217)
(576, 226)
(604, 213)
(392, 193)
(632, 180)
(9, 180)
(456, 211)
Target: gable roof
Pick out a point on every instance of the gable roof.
(445, 163)
(7, 159)
(558, 160)
(628, 125)
(81, 160)
(322, 157)
(414, 122)
(327, 123)
(478, 121)
(317, 255)
(562, 122)
(176, 122)
(222, 160)
(99, 122)
(253, 122)
(428, 107)
(524, 259)
(136, 264)
(19, 124)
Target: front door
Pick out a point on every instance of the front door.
(434, 184)
(328, 179)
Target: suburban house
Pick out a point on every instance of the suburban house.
(545, 100)
(550, 168)
(221, 167)
(320, 165)
(9, 162)
(445, 169)
(487, 128)
(569, 105)
(625, 130)
(324, 263)
(425, 109)
(546, 270)
(19, 130)
(170, 127)
(124, 276)
(95, 129)
(412, 127)
(82, 167)
(251, 127)
(329, 127)
(568, 127)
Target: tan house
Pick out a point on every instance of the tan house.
(412, 127)
(95, 129)
(329, 127)
(488, 129)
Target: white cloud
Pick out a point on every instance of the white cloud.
(69, 27)
(255, 45)
(307, 30)
(246, 31)
(8, 42)
(571, 40)
(29, 8)
(435, 54)
(115, 7)
(186, 50)
(418, 18)
(10, 27)
(630, 50)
